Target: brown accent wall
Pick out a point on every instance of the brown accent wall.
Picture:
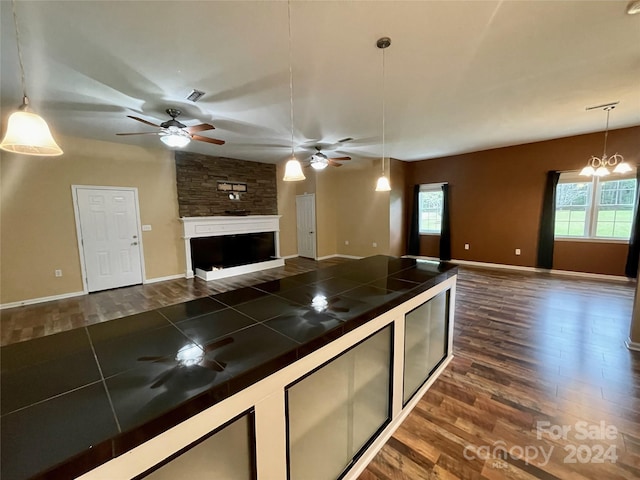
(397, 220)
(496, 200)
(197, 177)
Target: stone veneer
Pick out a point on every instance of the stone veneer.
(197, 177)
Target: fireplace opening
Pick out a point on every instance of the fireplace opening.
(210, 253)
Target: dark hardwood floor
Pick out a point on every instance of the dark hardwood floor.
(528, 347)
(33, 321)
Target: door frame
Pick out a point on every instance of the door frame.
(315, 226)
(76, 212)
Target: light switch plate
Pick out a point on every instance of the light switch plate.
(146, 228)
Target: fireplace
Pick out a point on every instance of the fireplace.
(219, 247)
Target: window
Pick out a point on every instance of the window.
(430, 209)
(595, 207)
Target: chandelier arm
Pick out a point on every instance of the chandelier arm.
(20, 61)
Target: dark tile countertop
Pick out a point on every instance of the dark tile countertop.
(74, 400)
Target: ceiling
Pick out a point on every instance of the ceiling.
(459, 76)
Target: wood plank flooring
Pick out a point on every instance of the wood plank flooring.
(528, 347)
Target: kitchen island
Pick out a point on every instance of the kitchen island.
(249, 383)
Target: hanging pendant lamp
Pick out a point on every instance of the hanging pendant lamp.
(293, 169)
(27, 133)
(383, 185)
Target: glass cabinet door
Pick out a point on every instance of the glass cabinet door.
(337, 409)
(426, 338)
(227, 454)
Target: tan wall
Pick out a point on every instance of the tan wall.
(326, 211)
(496, 200)
(363, 216)
(287, 210)
(38, 233)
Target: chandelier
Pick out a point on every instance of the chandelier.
(599, 166)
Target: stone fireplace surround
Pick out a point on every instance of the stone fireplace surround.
(198, 227)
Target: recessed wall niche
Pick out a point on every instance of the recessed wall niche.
(197, 178)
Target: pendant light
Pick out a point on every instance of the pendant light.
(27, 133)
(293, 169)
(383, 182)
(597, 166)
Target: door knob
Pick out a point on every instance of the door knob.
(134, 243)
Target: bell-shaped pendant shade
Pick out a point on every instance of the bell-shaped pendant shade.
(587, 171)
(383, 184)
(601, 172)
(28, 134)
(293, 171)
(622, 167)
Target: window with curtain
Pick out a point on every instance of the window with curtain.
(595, 208)
(430, 209)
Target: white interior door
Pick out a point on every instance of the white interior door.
(109, 237)
(306, 220)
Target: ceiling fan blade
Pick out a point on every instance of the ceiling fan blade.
(139, 133)
(342, 159)
(143, 121)
(334, 164)
(200, 128)
(208, 140)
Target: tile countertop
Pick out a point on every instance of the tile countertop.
(74, 400)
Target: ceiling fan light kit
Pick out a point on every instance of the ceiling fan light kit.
(27, 133)
(383, 185)
(175, 134)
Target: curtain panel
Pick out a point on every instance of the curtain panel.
(413, 247)
(547, 222)
(633, 255)
(445, 231)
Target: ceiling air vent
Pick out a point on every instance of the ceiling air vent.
(195, 95)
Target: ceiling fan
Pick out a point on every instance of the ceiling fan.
(176, 134)
(319, 161)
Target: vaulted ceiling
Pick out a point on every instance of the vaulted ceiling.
(459, 75)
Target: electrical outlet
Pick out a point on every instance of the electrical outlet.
(58, 273)
(346, 242)
(146, 228)
(517, 251)
(466, 246)
(375, 244)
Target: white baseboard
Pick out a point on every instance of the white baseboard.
(164, 279)
(631, 345)
(33, 301)
(290, 256)
(339, 255)
(593, 276)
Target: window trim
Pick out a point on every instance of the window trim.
(592, 210)
(430, 187)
